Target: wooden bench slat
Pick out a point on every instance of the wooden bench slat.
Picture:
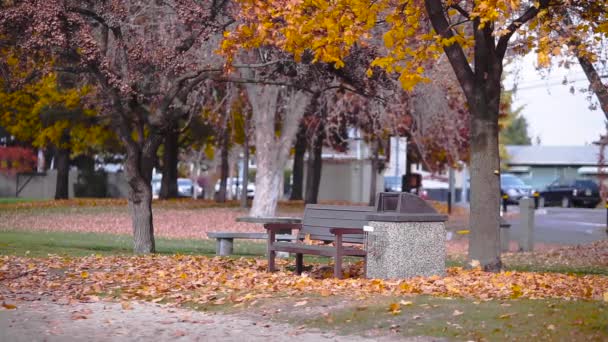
(253, 236)
(315, 249)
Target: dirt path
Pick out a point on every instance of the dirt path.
(107, 321)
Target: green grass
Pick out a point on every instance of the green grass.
(41, 244)
(11, 200)
(458, 318)
(567, 269)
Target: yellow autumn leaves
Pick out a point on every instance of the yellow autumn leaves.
(43, 113)
(330, 28)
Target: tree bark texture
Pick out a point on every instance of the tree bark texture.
(271, 151)
(168, 186)
(138, 167)
(298, 165)
(62, 164)
(314, 168)
(222, 195)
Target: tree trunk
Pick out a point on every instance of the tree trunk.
(138, 167)
(271, 152)
(224, 169)
(62, 164)
(267, 179)
(140, 206)
(298, 165)
(168, 187)
(484, 242)
(314, 168)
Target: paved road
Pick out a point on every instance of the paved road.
(564, 225)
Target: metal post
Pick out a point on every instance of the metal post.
(451, 191)
(526, 212)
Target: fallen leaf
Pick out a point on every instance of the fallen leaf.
(179, 333)
(84, 274)
(457, 313)
(551, 327)
(77, 316)
(508, 315)
(406, 303)
(9, 306)
(605, 296)
(300, 303)
(126, 305)
(394, 308)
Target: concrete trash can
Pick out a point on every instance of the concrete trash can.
(405, 238)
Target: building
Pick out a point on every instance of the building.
(540, 165)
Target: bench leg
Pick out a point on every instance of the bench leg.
(299, 263)
(338, 257)
(223, 246)
(365, 266)
(271, 254)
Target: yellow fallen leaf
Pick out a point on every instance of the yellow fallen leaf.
(517, 291)
(605, 296)
(463, 232)
(394, 308)
(84, 274)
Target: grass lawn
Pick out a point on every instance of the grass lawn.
(41, 244)
(452, 318)
(12, 200)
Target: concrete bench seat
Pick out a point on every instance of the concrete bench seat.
(225, 240)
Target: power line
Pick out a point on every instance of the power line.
(548, 85)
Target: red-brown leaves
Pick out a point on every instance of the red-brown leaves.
(217, 280)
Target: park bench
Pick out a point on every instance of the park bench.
(325, 224)
(224, 241)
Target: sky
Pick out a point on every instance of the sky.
(553, 113)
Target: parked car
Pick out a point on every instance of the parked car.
(568, 193)
(185, 187)
(234, 186)
(514, 188)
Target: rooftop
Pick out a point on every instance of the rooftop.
(586, 155)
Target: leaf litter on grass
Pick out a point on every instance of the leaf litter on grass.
(204, 280)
